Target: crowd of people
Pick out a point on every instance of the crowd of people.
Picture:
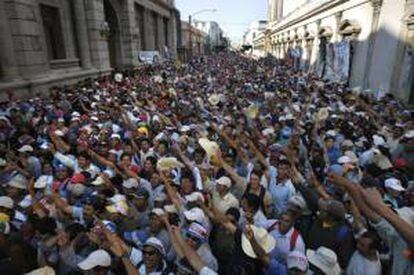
(224, 165)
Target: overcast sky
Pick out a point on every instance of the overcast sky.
(234, 16)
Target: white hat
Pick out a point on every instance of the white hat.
(117, 198)
(164, 164)
(409, 134)
(394, 184)
(210, 147)
(378, 140)
(214, 99)
(297, 259)
(195, 214)
(98, 181)
(344, 160)
(26, 202)
(46, 270)
(59, 133)
(298, 201)
(118, 77)
(268, 131)
(75, 114)
(6, 202)
(225, 181)
(3, 162)
(155, 243)
(347, 143)
(130, 183)
(263, 238)
(170, 208)
(97, 258)
(331, 133)
(185, 128)
(324, 259)
(115, 136)
(194, 197)
(25, 149)
(19, 182)
(158, 211)
(351, 155)
(43, 181)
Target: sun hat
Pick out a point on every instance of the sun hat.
(97, 258)
(25, 149)
(263, 238)
(168, 163)
(6, 202)
(394, 184)
(297, 259)
(19, 182)
(324, 259)
(210, 147)
(225, 181)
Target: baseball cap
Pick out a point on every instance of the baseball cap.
(170, 208)
(298, 201)
(78, 178)
(394, 184)
(195, 214)
(409, 134)
(158, 212)
(194, 197)
(197, 231)
(297, 259)
(130, 183)
(225, 181)
(97, 258)
(6, 202)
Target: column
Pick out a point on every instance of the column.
(82, 34)
(338, 18)
(161, 40)
(9, 69)
(172, 34)
(376, 5)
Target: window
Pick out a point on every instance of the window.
(53, 32)
(165, 22)
(139, 17)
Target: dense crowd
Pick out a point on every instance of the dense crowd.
(224, 165)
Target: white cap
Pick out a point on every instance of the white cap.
(130, 183)
(409, 134)
(297, 259)
(225, 181)
(344, 160)
(42, 181)
(25, 149)
(298, 201)
(324, 259)
(347, 143)
(155, 243)
(59, 133)
(195, 214)
(394, 184)
(115, 136)
(97, 258)
(158, 211)
(19, 182)
(170, 208)
(194, 197)
(98, 181)
(378, 140)
(6, 202)
(331, 133)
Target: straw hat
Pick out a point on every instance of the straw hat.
(263, 238)
(210, 147)
(169, 163)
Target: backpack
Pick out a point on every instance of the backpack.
(293, 238)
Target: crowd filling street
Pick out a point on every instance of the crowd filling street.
(223, 165)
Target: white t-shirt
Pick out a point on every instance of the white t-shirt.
(361, 265)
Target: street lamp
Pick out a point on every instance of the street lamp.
(190, 17)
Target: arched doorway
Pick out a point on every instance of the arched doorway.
(112, 35)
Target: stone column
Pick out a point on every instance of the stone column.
(149, 31)
(82, 34)
(9, 69)
(129, 34)
(376, 5)
(161, 40)
(172, 34)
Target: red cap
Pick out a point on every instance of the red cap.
(78, 178)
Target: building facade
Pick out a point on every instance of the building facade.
(368, 43)
(50, 42)
(194, 41)
(214, 32)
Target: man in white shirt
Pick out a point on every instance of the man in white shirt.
(223, 199)
(365, 259)
(287, 238)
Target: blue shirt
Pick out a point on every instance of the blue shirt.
(280, 192)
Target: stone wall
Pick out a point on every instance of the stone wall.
(88, 47)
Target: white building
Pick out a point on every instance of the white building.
(213, 30)
(371, 41)
(254, 29)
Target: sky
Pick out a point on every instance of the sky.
(233, 16)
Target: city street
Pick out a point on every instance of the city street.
(281, 153)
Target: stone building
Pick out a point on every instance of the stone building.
(254, 30)
(49, 42)
(214, 32)
(374, 38)
(193, 41)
